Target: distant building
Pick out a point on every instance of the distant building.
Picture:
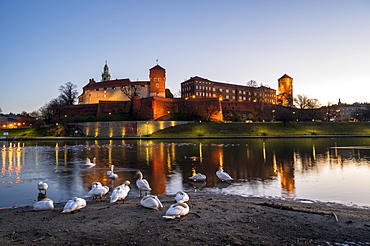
(112, 90)
(285, 91)
(198, 87)
(347, 112)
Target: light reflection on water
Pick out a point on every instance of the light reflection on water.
(323, 169)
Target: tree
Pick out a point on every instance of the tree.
(68, 93)
(303, 102)
(52, 109)
(169, 93)
(130, 91)
(252, 83)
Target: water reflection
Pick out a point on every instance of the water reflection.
(324, 169)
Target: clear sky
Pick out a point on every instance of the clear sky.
(323, 44)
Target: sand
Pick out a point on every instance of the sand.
(214, 219)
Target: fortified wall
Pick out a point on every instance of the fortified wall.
(125, 128)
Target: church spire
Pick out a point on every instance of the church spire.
(105, 76)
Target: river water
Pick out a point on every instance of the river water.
(324, 169)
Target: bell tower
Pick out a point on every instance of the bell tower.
(285, 91)
(105, 76)
(157, 76)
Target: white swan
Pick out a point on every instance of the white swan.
(44, 204)
(111, 174)
(74, 204)
(224, 176)
(181, 197)
(198, 177)
(120, 192)
(176, 210)
(142, 184)
(152, 202)
(89, 163)
(97, 190)
(41, 186)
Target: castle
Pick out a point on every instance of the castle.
(123, 89)
(199, 96)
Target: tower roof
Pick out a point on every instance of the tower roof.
(157, 67)
(286, 76)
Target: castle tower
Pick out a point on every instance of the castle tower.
(285, 91)
(157, 76)
(105, 76)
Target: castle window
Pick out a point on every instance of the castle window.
(155, 79)
(159, 79)
(157, 85)
(227, 91)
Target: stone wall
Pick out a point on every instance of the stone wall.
(125, 128)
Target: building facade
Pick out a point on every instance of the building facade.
(123, 89)
(198, 87)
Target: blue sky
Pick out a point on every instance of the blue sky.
(323, 45)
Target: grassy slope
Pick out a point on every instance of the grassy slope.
(266, 129)
(242, 129)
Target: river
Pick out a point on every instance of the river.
(324, 169)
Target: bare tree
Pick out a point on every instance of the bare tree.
(131, 90)
(252, 83)
(303, 102)
(68, 93)
(210, 109)
(52, 110)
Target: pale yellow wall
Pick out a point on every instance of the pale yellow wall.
(93, 96)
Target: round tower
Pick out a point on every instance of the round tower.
(285, 91)
(157, 76)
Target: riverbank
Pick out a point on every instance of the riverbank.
(213, 220)
(222, 130)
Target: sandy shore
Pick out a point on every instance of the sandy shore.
(213, 220)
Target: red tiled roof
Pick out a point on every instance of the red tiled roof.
(111, 83)
(286, 76)
(157, 67)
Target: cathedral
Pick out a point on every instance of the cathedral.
(124, 89)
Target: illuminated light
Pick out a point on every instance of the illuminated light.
(193, 96)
